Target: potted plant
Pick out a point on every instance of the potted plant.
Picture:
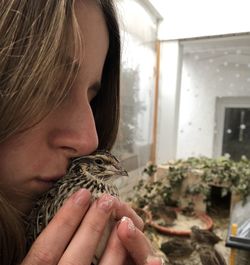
(154, 195)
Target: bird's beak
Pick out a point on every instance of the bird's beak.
(115, 174)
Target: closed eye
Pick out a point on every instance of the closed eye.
(99, 161)
(93, 90)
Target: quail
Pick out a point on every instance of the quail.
(177, 247)
(205, 241)
(210, 256)
(95, 172)
(204, 236)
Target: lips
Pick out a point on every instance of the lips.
(43, 184)
(50, 178)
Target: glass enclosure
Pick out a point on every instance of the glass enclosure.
(213, 70)
(137, 83)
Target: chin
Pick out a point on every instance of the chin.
(40, 186)
(25, 203)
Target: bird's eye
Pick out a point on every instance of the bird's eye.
(99, 161)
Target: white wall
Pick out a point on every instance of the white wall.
(195, 18)
(219, 68)
(192, 75)
(168, 102)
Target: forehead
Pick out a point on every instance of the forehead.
(94, 35)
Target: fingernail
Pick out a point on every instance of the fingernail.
(152, 260)
(130, 225)
(106, 202)
(80, 197)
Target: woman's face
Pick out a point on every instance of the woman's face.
(30, 162)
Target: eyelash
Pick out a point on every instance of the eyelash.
(91, 97)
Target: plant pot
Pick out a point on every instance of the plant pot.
(177, 230)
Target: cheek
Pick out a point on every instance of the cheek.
(8, 171)
(15, 160)
(7, 155)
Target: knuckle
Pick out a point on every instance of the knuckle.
(67, 222)
(42, 256)
(71, 262)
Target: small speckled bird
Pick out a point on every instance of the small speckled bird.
(204, 241)
(95, 172)
(210, 256)
(204, 236)
(177, 247)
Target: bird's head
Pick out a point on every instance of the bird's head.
(101, 164)
(195, 228)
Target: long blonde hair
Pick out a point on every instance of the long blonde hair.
(35, 37)
(36, 75)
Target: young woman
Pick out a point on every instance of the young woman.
(59, 98)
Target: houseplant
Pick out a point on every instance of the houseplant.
(232, 176)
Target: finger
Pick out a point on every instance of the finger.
(84, 244)
(51, 243)
(136, 243)
(153, 260)
(125, 210)
(114, 253)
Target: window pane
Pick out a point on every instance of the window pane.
(137, 84)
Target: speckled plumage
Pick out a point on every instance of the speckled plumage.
(95, 172)
(205, 242)
(177, 247)
(204, 236)
(210, 256)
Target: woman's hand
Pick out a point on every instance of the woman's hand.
(127, 244)
(72, 236)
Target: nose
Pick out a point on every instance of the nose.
(74, 131)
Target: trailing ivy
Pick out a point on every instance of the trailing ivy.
(232, 176)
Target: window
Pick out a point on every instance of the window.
(139, 31)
